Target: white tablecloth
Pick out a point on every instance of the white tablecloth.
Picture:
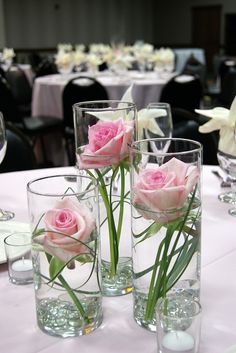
(118, 332)
(47, 90)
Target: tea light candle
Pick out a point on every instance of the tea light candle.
(22, 269)
(178, 341)
(22, 265)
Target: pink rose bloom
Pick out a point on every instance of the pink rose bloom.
(108, 144)
(64, 226)
(161, 192)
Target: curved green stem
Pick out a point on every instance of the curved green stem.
(71, 294)
(74, 298)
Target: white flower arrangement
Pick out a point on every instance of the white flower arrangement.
(8, 54)
(162, 57)
(80, 47)
(142, 51)
(93, 61)
(65, 47)
(79, 57)
(64, 60)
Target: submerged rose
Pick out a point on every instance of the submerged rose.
(161, 192)
(67, 227)
(108, 144)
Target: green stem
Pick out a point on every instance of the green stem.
(74, 298)
(71, 294)
(154, 290)
(111, 224)
(184, 256)
(122, 193)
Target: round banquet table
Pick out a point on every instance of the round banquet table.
(118, 332)
(47, 90)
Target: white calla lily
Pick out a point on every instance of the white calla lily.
(222, 119)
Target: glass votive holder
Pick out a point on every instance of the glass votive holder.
(18, 254)
(178, 325)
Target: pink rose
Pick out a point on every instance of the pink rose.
(161, 192)
(108, 144)
(64, 226)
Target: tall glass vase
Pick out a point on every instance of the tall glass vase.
(65, 253)
(103, 130)
(166, 223)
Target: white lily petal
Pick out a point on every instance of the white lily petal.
(232, 112)
(127, 96)
(224, 120)
(154, 128)
(215, 113)
(227, 141)
(210, 126)
(147, 114)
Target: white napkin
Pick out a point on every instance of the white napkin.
(224, 120)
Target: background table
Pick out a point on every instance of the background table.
(47, 90)
(118, 332)
(47, 99)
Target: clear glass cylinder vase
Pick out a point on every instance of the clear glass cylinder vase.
(66, 254)
(103, 130)
(166, 223)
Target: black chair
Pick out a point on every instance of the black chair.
(183, 92)
(225, 66)
(195, 68)
(20, 88)
(35, 60)
(228, 88)
(19, 154)
(46, 67)
(79, 89)
(36, 128)
(2, 72)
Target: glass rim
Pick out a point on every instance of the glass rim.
(6, 240)
(133, 148)
(82, 105)
(66, 177)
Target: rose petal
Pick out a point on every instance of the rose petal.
(162, 199)
(178, 167)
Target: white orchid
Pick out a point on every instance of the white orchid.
(224, 120)
(146, 117)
